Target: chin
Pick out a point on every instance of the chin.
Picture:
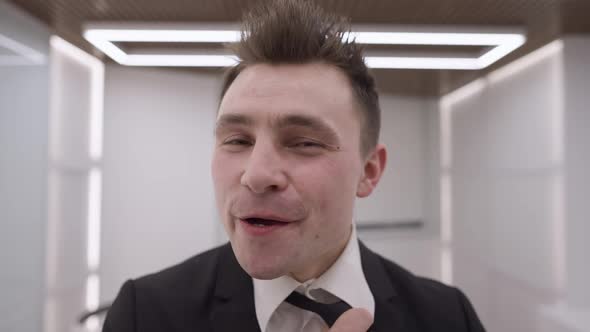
(260, 267)
(264, 275)
(263, 261)
(263, 270)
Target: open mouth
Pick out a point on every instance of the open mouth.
(258, 222)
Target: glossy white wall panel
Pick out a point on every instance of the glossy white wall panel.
(400, 193)
(506, 178)
(158, 206)
(71, 116)
(23, 176)
(522, 110)
(577, 156)
(521, 228)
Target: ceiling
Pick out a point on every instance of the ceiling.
(543, 21)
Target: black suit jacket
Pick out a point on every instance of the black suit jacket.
(211, 292)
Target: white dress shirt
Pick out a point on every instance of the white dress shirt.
(344, 280)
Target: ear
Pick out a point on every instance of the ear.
(373, 169)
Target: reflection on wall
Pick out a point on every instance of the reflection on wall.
(75, 181)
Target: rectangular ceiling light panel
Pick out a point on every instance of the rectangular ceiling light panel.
(104, 38)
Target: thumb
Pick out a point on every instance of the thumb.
(353, 320)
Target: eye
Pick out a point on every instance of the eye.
(307, 144)
(237, 141)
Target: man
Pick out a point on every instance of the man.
(296, 143)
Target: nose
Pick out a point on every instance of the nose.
(263, 171)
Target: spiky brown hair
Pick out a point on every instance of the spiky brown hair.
(299, 32)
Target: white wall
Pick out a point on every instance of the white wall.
(505, 176)
(23, 175)
(75, 95)
(511, 204)
(158, 206)
(400, 194)
(577, 158)
(572, 313)
(408, 188)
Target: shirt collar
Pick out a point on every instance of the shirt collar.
(344, 279)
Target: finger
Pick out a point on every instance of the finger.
(353, 320)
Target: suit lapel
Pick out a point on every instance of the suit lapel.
(391, 313)
(233, 306)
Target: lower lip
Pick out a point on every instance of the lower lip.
(262, 230)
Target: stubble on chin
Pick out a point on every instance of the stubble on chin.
(264, 265)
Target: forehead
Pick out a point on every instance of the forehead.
(318, 89)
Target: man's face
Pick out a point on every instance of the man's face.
(287, 167)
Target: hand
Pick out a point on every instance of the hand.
(353, 320)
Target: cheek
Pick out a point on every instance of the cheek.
(330, 192)
(224, 174)
(330, 186)
(224, 170)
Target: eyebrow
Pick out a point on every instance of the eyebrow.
(307, 121)
(291, 120)
(227, 120)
